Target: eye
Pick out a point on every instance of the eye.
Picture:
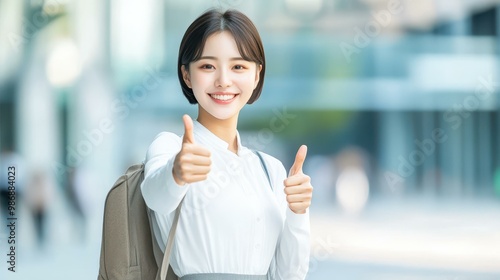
(239, 67)
(207, 66)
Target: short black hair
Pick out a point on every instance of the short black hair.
(213, 21)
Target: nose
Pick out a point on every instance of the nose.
(223, 80)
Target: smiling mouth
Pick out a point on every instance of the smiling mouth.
(222, 98)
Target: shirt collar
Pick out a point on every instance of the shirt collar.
(207, 136)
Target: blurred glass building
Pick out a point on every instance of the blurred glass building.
(398, 101)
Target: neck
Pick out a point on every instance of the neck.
(224, 129)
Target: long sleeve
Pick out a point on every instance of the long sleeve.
(292, 252)
(159, 189)
(231, 222)
(291, 259)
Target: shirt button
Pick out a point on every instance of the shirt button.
(258, 219)
(257, 247)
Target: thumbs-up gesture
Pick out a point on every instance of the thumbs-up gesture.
(192, 163)
(298, 186)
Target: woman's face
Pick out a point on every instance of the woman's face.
(221, 80)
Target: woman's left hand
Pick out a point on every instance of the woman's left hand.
(298, 186)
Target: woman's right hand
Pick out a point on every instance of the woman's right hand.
(192, 163)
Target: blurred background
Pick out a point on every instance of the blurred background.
(398, 102)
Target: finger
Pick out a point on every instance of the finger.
(200, 160)
(294, 198)
(198, 169)
(195, 149)
(190, 157)
(194, 173)
(299, 161)
(201, 151)
(296, 180)
(188, 129)
(299, 206)
(301, 189)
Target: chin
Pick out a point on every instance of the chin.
(223, 115)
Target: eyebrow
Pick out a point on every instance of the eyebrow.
(215, 58)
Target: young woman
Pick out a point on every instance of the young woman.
(232, 225)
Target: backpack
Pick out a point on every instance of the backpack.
(129, 249)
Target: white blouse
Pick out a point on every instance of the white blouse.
(232, 222)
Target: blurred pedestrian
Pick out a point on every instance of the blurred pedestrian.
(39, 193)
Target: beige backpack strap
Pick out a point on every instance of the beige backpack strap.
(170, 242)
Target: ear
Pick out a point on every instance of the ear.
(185, 76)
(257, 75)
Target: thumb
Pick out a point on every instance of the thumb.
(299, 161)
(188, 129)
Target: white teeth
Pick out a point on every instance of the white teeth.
(222, 97)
